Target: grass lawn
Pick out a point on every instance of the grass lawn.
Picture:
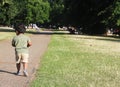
(80, 61)
(6, 33)
(9, 33)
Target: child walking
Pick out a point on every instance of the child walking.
(21, 44)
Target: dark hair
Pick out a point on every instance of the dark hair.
(20, 28)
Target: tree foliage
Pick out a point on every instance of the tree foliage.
(56, 12)
(33, 11)
(26, 11)
(7, 11)
(114, 19)
(93, 16)
(88, 14)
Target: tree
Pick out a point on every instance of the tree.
(114, 18)
(7, 11)
(33, 11)
(56, 13)
(88, 14)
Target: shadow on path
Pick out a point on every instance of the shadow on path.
(3, 71)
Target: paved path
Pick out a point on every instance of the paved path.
(7, 61)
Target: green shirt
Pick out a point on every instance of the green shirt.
(20, 43)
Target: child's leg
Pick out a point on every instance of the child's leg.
(18, 65)
(25, 63)
(25, 66)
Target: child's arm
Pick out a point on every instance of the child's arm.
(13, 43)
(29, 44)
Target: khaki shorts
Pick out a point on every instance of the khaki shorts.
(22, 57)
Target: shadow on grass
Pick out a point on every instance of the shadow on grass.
(35, 32)
(106, 38)
(7, 30)
(110, 38)
(49, 33)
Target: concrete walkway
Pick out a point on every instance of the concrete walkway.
(7, 60)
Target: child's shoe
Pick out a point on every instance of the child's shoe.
(25, 73)
(18, 73)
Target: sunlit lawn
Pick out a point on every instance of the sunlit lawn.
(6, 33)
(80, 61)
(77, 61)
(9, 33)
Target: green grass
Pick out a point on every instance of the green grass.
(9, 33)
(80, 61)
(6, 35)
